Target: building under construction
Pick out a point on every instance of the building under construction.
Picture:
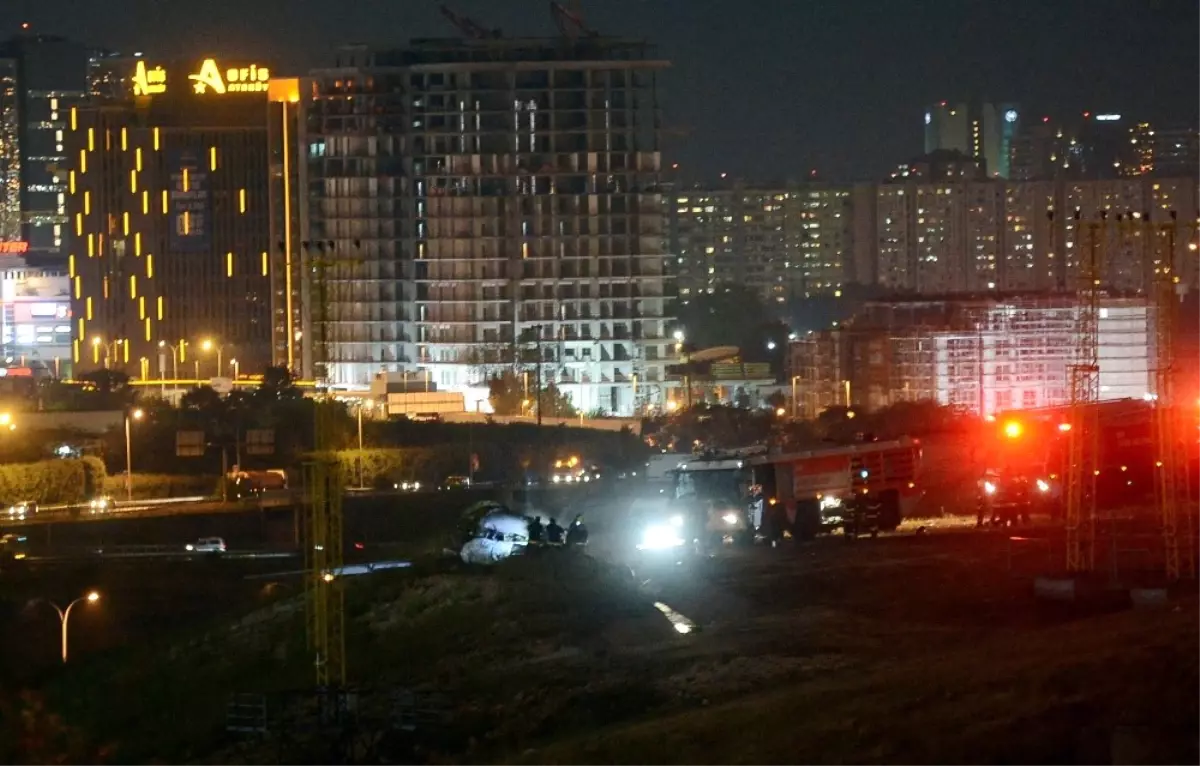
(985, 354)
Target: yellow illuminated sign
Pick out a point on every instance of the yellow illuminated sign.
(247, 79)
(149, 82)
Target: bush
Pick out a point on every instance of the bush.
(154, 485)
(50, 481)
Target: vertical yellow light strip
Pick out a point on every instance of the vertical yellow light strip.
(82, 161)
(71, 265)
(81, 327)
(241, 200)
(138, 159)
(95, 351)
(133, 285)
(79, 224)
(91, 247)
(229, 264)
(133, 181)
(212, 158)
(106, 288)
(124, 140)
(287, 240)
(87, 203)
(187, 183)
(88, 311)
(125, 222)
(108, 140)
(148, 331)
(265, 260)
(74, 126)
(156, 144)
(71, 181)
(91, 139)
(145, 202)
(142, 308)
(149, 266)
(187, 224)
(75, 350)
(125, 351)
(137, 243)
(160, 308)
(164, 201)
(78, 287)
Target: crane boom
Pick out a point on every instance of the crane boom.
(570, 24)
(469, 27)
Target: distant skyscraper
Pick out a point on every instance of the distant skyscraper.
(41, 78)
(984, 131)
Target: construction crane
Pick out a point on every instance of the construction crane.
(569, 22)
(470, 29)
(324, 486)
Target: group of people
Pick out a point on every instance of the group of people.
(553, 534)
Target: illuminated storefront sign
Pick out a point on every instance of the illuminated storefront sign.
(247, 79)
(149, 82)
(13, 248)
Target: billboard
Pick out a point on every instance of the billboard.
(190, 206)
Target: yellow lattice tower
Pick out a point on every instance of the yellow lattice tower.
(324, 554)
(1085, 390)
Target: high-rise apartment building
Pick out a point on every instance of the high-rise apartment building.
(1103, 146)
(41, 79)
(476, 201)
(983, 131)
(168, 203)
(788, 242)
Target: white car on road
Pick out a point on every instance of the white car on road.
(207, 545)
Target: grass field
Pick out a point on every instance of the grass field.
(910, 649)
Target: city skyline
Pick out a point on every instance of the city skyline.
(855, 115)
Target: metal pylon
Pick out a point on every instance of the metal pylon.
(1085, 390)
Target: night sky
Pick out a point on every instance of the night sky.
(763, 89)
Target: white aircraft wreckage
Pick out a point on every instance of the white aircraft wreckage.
(493, 533)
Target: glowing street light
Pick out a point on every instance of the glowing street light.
(64, 615)
(135, 414)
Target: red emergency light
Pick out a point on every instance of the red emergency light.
(1013, 429)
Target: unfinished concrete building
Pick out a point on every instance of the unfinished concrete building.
(983, 354)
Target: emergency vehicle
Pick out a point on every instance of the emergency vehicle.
(859, 488)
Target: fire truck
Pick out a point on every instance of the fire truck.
(1026, 456)
(862, 488)
(859, 488)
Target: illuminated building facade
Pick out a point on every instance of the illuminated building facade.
(41, 79)
(169, 222)
(35, 318)
(473, 197)
(983, 131)
(789, 242)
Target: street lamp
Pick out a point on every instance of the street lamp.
(6, 421)
(236, 368)
(65, 614)
(130, 415)
(208, 345)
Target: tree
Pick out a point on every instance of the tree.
(203, 399)
(506, 394)
(726, 317)
(110, 388)
(277, 385)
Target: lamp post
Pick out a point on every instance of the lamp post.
(361, 485)
(208, 345)
(110, 348)
(236, 368)
(64, 615)
(130, 415)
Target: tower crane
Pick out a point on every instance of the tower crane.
(470, 28)
(569, 22)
